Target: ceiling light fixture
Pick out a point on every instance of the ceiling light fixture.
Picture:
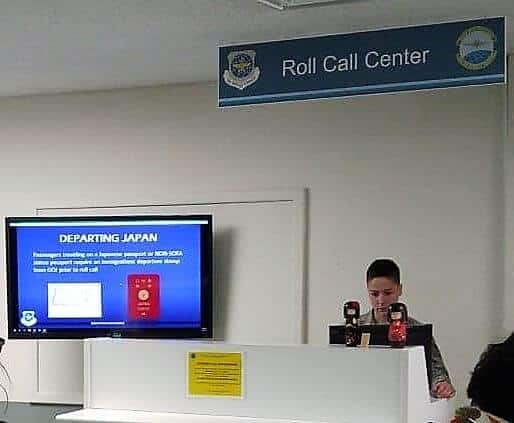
(288, 4)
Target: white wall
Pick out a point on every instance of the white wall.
(417, 177)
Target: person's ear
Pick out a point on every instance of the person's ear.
(400, 290)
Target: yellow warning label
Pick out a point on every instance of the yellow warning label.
(215, 374)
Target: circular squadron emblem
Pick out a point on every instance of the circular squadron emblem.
(477, 48)
(242, 71)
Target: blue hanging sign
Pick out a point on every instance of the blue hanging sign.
(401, 59)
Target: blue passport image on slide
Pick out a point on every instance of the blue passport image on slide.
(133, 276)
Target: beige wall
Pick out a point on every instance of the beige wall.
(417, 177)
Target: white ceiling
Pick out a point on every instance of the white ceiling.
(75, 45)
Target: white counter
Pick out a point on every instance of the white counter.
(145, 381)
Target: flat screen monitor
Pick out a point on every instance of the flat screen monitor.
(416, 335)
(117, 276)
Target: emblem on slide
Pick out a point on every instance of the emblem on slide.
(242, 70)
(477, 48)
(28, 318)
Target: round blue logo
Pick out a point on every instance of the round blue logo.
(477, 48)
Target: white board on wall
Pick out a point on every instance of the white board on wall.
(259, 276)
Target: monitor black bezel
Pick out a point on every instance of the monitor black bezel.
(205, 330)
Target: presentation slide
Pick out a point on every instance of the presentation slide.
(120, 275)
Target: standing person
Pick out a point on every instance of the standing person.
(385, 288)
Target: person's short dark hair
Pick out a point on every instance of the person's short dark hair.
(383, 268)
(488, 387)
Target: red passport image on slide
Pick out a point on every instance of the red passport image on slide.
(143, 297)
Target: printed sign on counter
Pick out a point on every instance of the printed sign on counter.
(215, 374)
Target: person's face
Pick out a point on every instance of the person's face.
(382, 293)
